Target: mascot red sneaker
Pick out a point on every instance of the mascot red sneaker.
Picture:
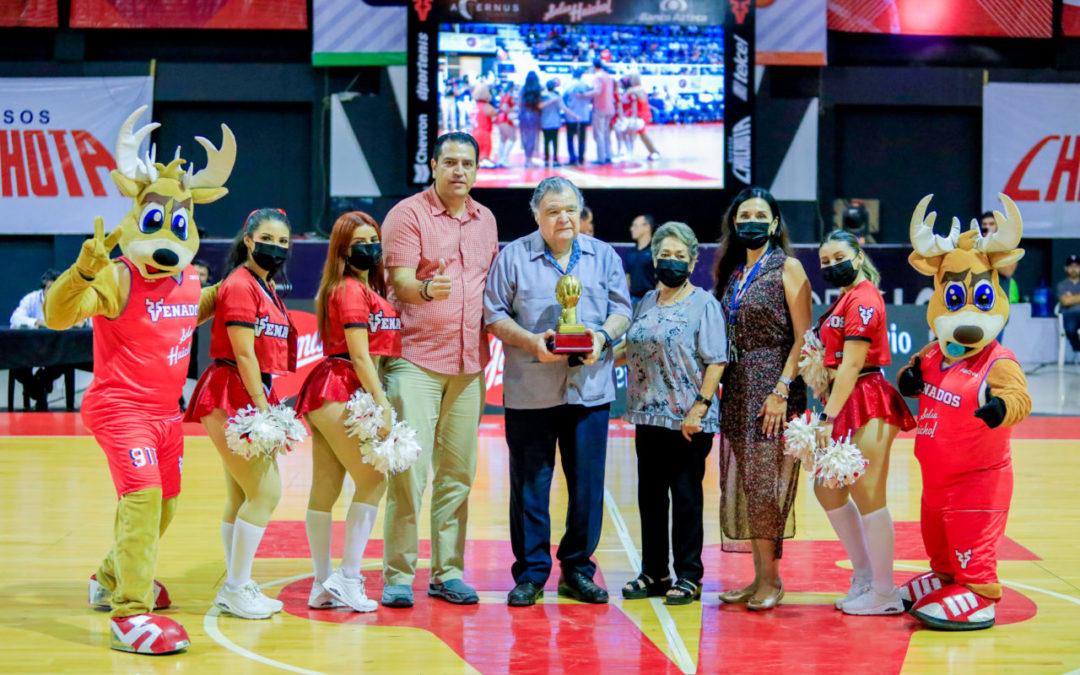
(971, 392)
(145, 306)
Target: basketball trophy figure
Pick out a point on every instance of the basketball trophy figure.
(570, 336)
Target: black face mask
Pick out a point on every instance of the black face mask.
(671, 272)
(840, 274)
(270, 257)
(365, 256)
(753, 235)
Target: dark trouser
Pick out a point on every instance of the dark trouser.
(576, 130)
(668, 462)
(38, 384)
(1072, 324)
(551, 141)
(581, 434)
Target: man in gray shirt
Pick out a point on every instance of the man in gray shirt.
(578, 98)
(1068, 292)
(550, 401)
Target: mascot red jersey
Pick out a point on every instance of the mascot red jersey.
(145, 306)
(971, 392)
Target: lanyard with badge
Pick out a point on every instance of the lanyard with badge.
(736, 298)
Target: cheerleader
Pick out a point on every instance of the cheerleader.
(485, 113)
(644, 113)
(862, 403)
(506, 122)
(251, 341)
(358, 325)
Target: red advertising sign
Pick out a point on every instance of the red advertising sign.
(309, 351)
(991, 18)
(29, 13)
(246, 14)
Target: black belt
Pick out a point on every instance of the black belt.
(267, 378)
(869, 370)
(342, 355)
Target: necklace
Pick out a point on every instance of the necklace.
(674, 298)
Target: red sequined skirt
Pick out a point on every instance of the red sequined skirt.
(220, 387)
(873, 398)
(334, 379)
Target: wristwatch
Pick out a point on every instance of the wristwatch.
(701, 399)
(826, 418)
(607, 339)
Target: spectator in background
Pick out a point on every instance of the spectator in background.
(529, 117)
(551, 109)
(603, 109)
(987, 225)
(203, 268)
(1068, 291)
(37, 383)
(639, 261)
(579, 99)
(587, 222)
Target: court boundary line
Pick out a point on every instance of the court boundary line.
(675, 642)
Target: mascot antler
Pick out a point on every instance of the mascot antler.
(219, 162)
(1009, 230)
(925, 242)
(127, 150)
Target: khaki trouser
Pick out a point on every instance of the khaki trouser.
(445, 411)
(128, 570)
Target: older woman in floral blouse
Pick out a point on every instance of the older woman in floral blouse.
(676, 350)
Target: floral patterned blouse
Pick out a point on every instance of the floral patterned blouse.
(668, 348)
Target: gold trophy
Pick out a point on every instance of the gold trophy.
(570, 336)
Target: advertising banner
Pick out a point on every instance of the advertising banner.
(739, 94)
(243, 14)
(29, 13)
(358, 32)
(57, 139)
(990, 18)
(791, 32)
(1031, 152)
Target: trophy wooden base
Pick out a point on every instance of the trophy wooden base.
(571, 343)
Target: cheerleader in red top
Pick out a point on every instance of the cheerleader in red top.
(485, 112)
(252, 340)
(863, 403)
(506, 121)
(358, 326)
(644, 114)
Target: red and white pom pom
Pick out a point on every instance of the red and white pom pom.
(395, 454)
(800, 439)
(253, 433)
(841, 464)
(364, 418)
(812, 364)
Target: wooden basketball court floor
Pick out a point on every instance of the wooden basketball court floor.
(56, 511)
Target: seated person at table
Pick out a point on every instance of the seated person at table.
(203, 268)
(1068, 292)
(37, 383)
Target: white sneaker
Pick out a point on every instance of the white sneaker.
(245, 602)
(274, 604)
(320, 598)
(350, 591)
(873, 602)
(858, 587)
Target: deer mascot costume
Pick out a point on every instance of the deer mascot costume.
(145, 306)
(971, 392)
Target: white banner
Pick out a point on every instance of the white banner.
(57, 139)
(1031, 152)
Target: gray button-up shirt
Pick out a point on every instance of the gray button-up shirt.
(521, 286)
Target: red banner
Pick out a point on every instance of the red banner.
(29, 13)
(244, 14)
(990, 18)
(1070, 18)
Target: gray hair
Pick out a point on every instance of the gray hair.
(680, 231)
(558, 185)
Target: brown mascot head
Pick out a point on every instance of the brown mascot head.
(158, 234)
(968, 308)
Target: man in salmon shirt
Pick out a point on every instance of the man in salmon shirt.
(438, 245)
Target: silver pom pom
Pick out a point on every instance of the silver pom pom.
(253, 433)
(800, 439)
(364, 418)
(841, 464)
(812, 364)
(395, 454)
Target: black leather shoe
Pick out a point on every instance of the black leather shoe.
(581, 588)
(525, 594)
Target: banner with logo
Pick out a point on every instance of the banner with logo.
(29, 13)
(640, 12)
(791, 32)
(991, 18)
(358, 32)
(739, 95)
(1031, 152)
(1070, 18)
(244, 14)
(57, 139)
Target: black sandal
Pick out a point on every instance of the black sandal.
(686, 592)
(645, 587)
